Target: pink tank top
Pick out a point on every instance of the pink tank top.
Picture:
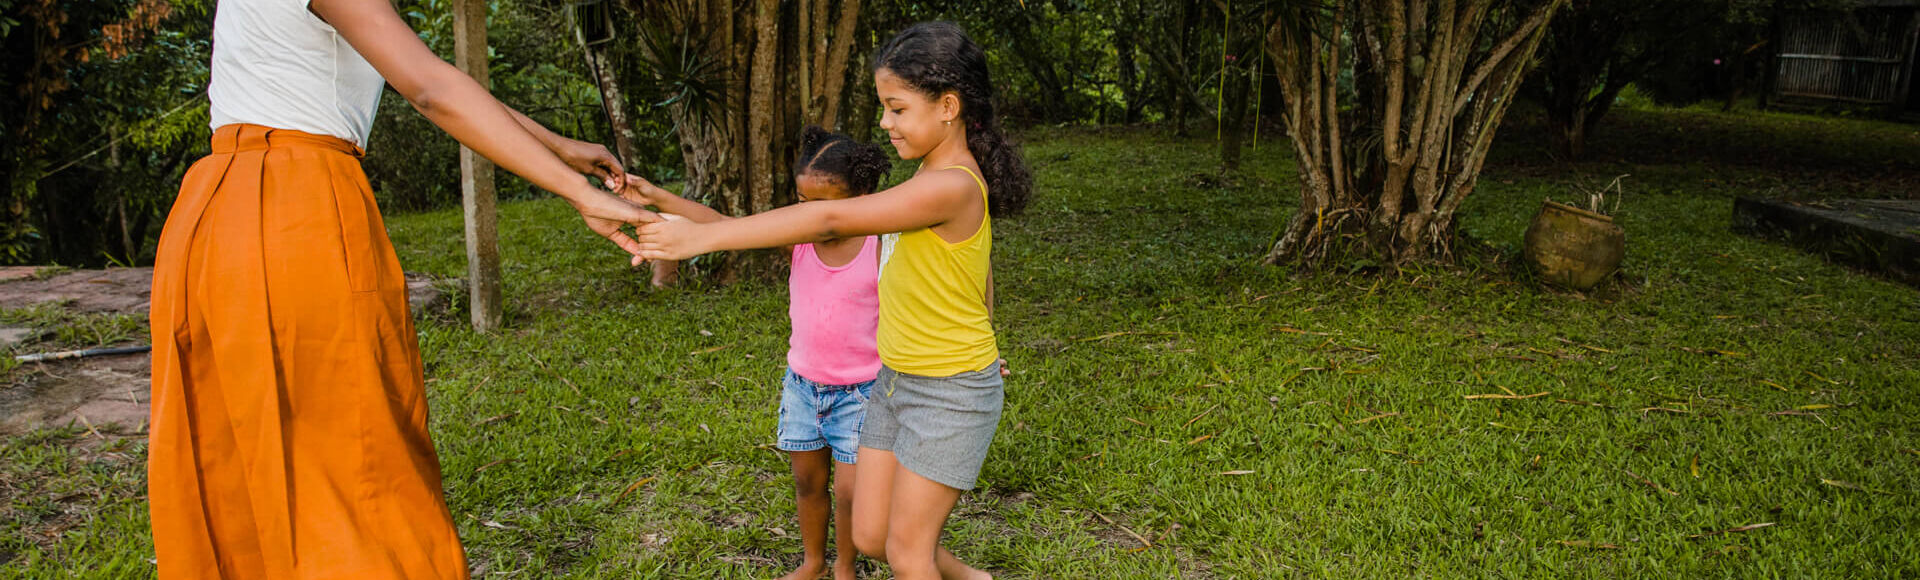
(836, 316)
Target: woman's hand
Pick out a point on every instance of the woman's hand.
(672, 238)
(592, 159)
(606, 214)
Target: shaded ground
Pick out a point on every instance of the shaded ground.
(1773, 155)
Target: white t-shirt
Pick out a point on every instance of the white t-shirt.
(277, 65)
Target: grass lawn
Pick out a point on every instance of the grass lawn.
(1727, 408)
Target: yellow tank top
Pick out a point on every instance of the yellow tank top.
(933, 302)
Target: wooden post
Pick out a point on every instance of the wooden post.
(476, 176)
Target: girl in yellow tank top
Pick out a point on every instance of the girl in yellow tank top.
(940, 392)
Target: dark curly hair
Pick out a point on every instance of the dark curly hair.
(937, 57)
(858, 166)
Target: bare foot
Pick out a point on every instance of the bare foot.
(843, 569)
(808, 570)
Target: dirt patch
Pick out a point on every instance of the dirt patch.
(94, 393)
(119, 290)
(97, 392)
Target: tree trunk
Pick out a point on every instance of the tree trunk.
(1234, 118)
(476, 179)
(1567, 126)
(863, 110)
(1129, 76)
(1435, 79)
(615, 102)
(776, 70)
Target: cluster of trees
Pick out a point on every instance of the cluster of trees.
(1389, 105)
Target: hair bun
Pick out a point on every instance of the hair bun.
(812, 137)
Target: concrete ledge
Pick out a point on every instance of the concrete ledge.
(1878, 235)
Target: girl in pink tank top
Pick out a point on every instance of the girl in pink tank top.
(832, 357)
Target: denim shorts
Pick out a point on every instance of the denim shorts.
(813, 416)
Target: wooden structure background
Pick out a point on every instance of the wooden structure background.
(1867, 57)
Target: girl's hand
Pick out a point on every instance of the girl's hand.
(674, 238)
(1004, 371)
(593, 159)
(605, 215)
(640, 191)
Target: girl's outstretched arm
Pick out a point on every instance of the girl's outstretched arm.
(644, 192)
(927, 200)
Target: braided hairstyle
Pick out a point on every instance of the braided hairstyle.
(858, 166)
(936, 58)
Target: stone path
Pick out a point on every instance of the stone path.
(119, 290)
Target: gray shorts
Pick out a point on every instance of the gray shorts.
(937, 427)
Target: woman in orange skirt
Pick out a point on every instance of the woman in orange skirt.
(289, 430)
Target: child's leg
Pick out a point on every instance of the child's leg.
(843, 482)
(810, 498)
(872, 497)
(919, 510)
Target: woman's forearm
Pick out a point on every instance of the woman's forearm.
(546, 136)
(473, 117)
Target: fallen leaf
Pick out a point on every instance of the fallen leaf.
(1520, 429)
(1814, 407)
(630, 488)
(1119, 334)
(1380, 416)
(1745, 528)
(1199, 439)
(1499, 396)
(1695, 467)
(1650, 483)
(497, 418)
(1144, 544)
(1714, 352)
(1852, 486)
(493, 463)
(1817, 376)
(709, 351)
(1190, 422)
(1776, 386)
(1666, 410)
(1134, 421)
(1238, 472)
(1588, 544)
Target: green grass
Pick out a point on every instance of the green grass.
(1153, 357)
(60, 328)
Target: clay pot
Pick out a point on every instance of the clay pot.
(1572, 247)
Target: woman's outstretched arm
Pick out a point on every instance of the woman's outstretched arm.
(465, 110)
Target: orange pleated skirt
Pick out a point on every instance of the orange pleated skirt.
(289, 430)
